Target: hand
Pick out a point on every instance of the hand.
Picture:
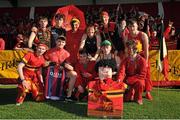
(92, 59)
(80, 89)
(86, 75)
(25, 84)
(61, 67)
(162, 21)
(170, 23)
(47, 63)
(89, 57)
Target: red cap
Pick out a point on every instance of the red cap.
(104, 13)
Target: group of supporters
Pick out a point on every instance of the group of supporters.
(59, 64)
(113, 54)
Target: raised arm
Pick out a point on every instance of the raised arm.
(32, 37)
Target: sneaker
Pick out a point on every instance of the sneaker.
(132, 98)
(47, 97)
(148, 96)
(18, 104)
(70, 99)
(54, 98)
(61, 99)
(140, 102)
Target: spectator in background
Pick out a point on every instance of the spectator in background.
(169, 31)
(154, 42)
(123, 28)
(2, 44)
(123, 31)
(21, 43)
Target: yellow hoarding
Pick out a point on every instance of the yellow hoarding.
(174, 66)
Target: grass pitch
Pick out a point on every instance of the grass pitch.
(165, 105)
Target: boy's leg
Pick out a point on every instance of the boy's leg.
(21, 95)
(72, 75)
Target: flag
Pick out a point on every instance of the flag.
(163, 65)
(31, 13)
(160, 10)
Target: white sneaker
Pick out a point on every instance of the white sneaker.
(54, 98)
(47, 97)
(18, 104)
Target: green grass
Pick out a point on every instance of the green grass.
(165, 105)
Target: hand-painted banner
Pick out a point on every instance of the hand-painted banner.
(174, 66)
(9, 60)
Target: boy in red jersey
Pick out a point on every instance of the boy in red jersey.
(141, 39)
(30, 77)
(133, 72)
(59, 56)
(85, 71)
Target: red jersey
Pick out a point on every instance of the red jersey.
(33, 61)
(133, 69)
(73, 41)
(56, 55)
(138, 40)
(81, 68)
(110, 28)
(138, 37)
(32, 78)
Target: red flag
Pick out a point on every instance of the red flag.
(70, 12)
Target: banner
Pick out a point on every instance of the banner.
(9, 60)
(174, 67)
